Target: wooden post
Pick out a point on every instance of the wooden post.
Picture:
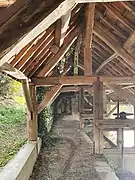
(134, 119)
(32, 118)
(89, 17)
(81, 107)
(104, 101)
(98, 114)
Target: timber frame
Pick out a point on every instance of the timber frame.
(71, 45)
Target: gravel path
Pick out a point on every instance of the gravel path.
(70, 159)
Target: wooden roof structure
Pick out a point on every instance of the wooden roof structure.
(78, 39)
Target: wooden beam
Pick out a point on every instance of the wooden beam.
(61, 28)
(115, 123)
(111, 111)
(11, 71)
(76, 54)
(123, 94)
(130, 42)
(51, 95)
(113, 56)
(115, 46)
(52, 16)
(82, 80)
(98, 115)
(5, 3)
(75, 88)
(48, 97)
(89, 16)
(51, 63)
(66, 80)
(27, 94)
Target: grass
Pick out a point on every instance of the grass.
(12, 132)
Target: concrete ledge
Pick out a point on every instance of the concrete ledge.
(21, 166)
(104, 171)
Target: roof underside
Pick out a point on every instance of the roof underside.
(113, 38)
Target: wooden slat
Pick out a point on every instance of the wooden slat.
(89, 16)
(51, 63)
(130, 42)
(113, 56)
(115, 46)
(119, 17)
(41, 27)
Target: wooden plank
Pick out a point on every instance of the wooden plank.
(98, 115)
(64, 7)
(130, 42)
(113, 56)
(66, 80)
(51, 63)
(119, 17)
(32, 120)
(89, 16)
(123, 93)
(115, 46)
(27, 95)
(13, 72)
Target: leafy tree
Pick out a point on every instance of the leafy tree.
(5, 86)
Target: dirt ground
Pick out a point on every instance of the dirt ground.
(70, 159)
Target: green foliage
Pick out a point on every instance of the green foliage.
(12, 115)
(12, 132)
(45, 118)
(5, 85)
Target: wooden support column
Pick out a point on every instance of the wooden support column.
(104, 101)
(81, 107)
(30, 96)
(98, 115)
(89, 16)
